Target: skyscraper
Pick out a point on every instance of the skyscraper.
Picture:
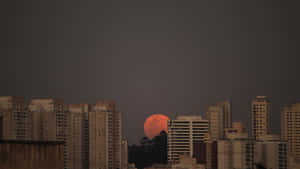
(290, 129)
(183, 133)
(236, 152)
(219, 118)
(48, 119)
(105, 136)
(271, 152)
(226, 106)
(77, 136)
(260, 116)
(14, 118)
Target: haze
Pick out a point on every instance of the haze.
(152, 56)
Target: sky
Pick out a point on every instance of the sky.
(169, 56)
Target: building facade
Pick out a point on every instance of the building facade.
(15, 119)
(260, 108)
(219, 118)
(124, 151)
(16, 154)
(271, 152)
(77, 136)
(237, 128)
(236, 152)
(290, 129)
(48, 119)
(105, 136)
(183, 133)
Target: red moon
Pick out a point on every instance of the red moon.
(155, 124)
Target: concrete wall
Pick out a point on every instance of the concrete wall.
(31, 155)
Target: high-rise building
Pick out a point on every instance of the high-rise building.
(236, 152)
(183, 133)
(290, 129)
(14, 119)
(271, 152)
(227, 115)
(105, 136)
(48, 119)
(124, 154)
(77, 136)
(260, 116)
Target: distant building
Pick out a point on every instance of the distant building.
(237, 128)
(219, 118)
(187, 162)
(31, 155)
(293, 163)
(124, 151)
(78, 136)
(226, 106)
(236, 152)
(105, 135)
(260, 116)
(14, 119)
(290, 129)
(271, 152)
(49, 120)
(183, 133)
(211, 153)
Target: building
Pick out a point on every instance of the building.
(260, 116)
(185, 162)
(14, 119)
(183, 133)
(271, 152)
(290, 129)
(211, 158)
(105, 136)
(48, 119)
(219, 118)
(226, 106)
(31, 154)
(78, 136)
(237, 128)
(236, 152)
(124, 151)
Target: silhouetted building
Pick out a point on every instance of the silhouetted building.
(271, 152)
(105, 135)
(219, 118)
(290, 129)
(260, 116)
(14, 119)
(183, 133)
(78, 136)
(31, 155)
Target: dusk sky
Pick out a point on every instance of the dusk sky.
(152, 56)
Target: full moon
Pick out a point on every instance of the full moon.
(155, 124)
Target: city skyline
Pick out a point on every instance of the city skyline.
(153, 56)
(248, 125)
